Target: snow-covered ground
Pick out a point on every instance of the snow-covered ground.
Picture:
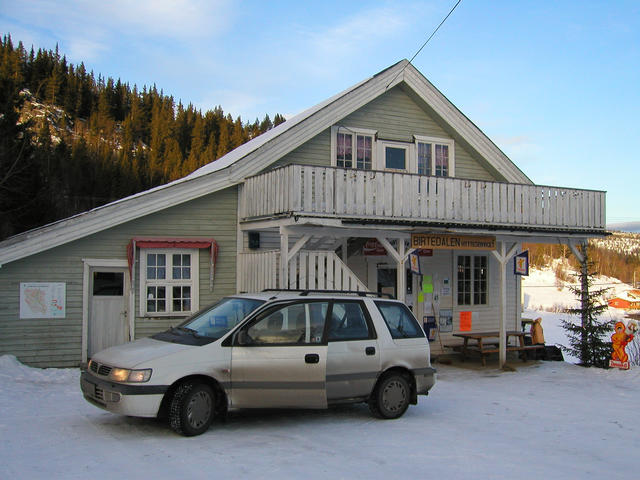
(546, 420)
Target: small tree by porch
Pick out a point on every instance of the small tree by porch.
(587, 341)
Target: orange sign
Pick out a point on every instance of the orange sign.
(465, 321)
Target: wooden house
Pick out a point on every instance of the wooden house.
(629, 300)
(337, 197)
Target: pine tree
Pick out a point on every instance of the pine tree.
(16, 160)
(224, 142)
(238, 136)
(278, 119)
(589, 341)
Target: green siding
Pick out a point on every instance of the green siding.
(316, 151)
(58, 342)
(395, 116)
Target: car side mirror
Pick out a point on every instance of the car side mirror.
(242, 338)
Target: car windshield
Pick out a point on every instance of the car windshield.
(217, 320)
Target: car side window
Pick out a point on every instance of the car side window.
(292, 324)
(348, 322)
(400, 321)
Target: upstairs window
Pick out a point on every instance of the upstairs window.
(361, 149)
(396, 156)
(353, 148)
(435, 156)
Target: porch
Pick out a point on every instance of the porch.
(380, 196)
(312, 222)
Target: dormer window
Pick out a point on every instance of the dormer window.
(435, 156)
(361, 149)
(353, 148)
(396, 156)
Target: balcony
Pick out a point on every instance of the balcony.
(385, 197)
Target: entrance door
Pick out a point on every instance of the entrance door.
(388, 281)
(108, 301)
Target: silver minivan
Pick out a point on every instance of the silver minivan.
(284, 349)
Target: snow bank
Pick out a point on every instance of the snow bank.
(12, 370)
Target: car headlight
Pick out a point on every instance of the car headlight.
(126, 375)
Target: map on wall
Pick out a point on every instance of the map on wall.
(42, 300)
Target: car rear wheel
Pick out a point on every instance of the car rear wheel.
(391, 396)
(192, 409)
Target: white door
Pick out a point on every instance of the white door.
(108, 302)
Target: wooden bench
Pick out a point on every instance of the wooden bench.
(484, 347)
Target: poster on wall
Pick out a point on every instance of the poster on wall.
(446, 321)
(465, 321)
(42, 300)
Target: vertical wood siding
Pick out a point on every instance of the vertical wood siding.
(57, 343)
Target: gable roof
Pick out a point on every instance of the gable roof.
(256, 155)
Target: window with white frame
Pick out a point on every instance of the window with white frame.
(435, 156)
(353, 148)
(472, 279)
(396, 156)
(168, 281)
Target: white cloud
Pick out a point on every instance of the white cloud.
(89, 28)
(174, 18)
(326, 52)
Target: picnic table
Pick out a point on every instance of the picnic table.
(489, 342)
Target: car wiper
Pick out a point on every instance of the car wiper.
(190, 331)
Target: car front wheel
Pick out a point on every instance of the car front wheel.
(391, 396)
(192, 409)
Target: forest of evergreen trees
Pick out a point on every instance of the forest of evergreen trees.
(70, 141)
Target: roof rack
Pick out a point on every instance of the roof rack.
(306, 291)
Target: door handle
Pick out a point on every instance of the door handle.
(312, 358)
(370, 350)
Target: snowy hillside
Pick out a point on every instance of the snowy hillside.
(621, 242)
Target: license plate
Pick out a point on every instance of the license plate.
(88, 388)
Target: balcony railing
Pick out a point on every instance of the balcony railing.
(349, 194)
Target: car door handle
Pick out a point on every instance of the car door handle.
(312, 358)
(370, 350)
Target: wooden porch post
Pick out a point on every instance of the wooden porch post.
(401, 274)
(284, 259)
(503, 257)
(400, 256)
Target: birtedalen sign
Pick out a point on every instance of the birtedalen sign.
(452, 242)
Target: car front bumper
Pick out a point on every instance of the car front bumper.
(123, 399)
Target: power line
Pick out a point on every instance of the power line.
(425, 43)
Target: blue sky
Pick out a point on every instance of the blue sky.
(555, 84)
